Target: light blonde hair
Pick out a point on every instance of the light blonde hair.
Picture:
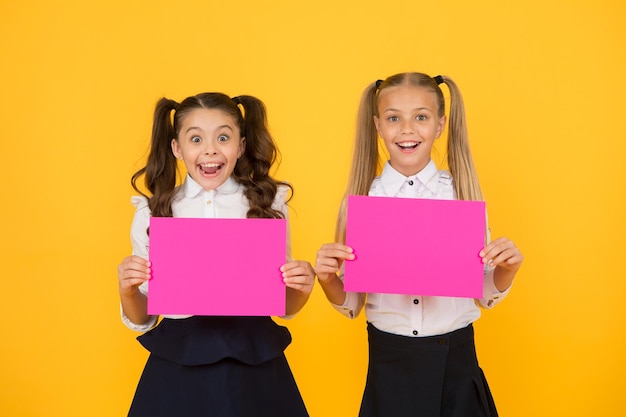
(366, 161)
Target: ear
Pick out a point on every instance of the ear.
(242, 147)
(176, 149)
(440, 126)
(376, 123)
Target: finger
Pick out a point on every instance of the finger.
(137, 272)
(327, 265)
(130, 285)
(299, 281)
(495, 248)
(513, 258)
(132, 273)
(328, 260)
(294, 272)
(134, 265)
(336, 258)
(132, 281)
(134, 259)
(299, 287)
(509, 256)
(334, 251)
(293, 265)
(297, 267)
(494, 244)
(134, 269)
(139, 264)
(336, 246)
(491, 245)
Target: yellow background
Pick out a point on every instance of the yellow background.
(544, 87)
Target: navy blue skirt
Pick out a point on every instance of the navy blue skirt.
(217, 366)
(436, 376)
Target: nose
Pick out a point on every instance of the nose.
(407, 126)
(210, 148)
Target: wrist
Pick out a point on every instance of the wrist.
(326, 278)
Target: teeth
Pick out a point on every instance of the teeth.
(210, 165)
(407, 144)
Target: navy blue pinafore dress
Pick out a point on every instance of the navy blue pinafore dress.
(217, 366)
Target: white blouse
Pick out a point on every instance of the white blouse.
(417, 315)
(192, 201)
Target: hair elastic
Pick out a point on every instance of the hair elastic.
(237, 100)
(378, 83)
(438, 79)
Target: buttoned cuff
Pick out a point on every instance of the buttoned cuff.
(348, 306)
(138, 327)
(491, 295)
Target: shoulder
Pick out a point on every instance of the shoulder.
(139, 227)
(139, 202)
(377, 188)
(142, 211)
(442, 185)
(283, 193)
(444, 177)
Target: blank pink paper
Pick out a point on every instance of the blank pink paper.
(217, 266)
(415, 246)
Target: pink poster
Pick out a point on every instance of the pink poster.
(217, 266)
(415, 246)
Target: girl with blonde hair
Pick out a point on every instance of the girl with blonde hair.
(422, 359)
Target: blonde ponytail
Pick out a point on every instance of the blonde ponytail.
(365, 159)
(460, 160)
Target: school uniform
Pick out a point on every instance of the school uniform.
(212, 365)
(422, 359)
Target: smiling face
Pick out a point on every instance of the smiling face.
(408, 121)
(209, 143)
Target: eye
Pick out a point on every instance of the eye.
(393, 118)
(196, 139)
(421, 117)
(222, 138)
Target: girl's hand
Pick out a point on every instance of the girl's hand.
(132, 272)
(329, 259)
(502, 253)
(299, 275)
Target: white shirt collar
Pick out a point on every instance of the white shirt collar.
(392, 180)
(191, 188)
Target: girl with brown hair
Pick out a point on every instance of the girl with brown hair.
(211, 365)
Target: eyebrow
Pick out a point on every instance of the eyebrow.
(417, 108)
(218, 128)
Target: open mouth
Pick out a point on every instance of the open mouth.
(408, 146)
(210, 169)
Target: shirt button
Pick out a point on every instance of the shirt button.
(411, 182)
(442, 342)
(416, 301)
(414, 332)
(208, 202)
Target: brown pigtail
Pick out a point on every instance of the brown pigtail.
(253, 167)
(160, 169)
